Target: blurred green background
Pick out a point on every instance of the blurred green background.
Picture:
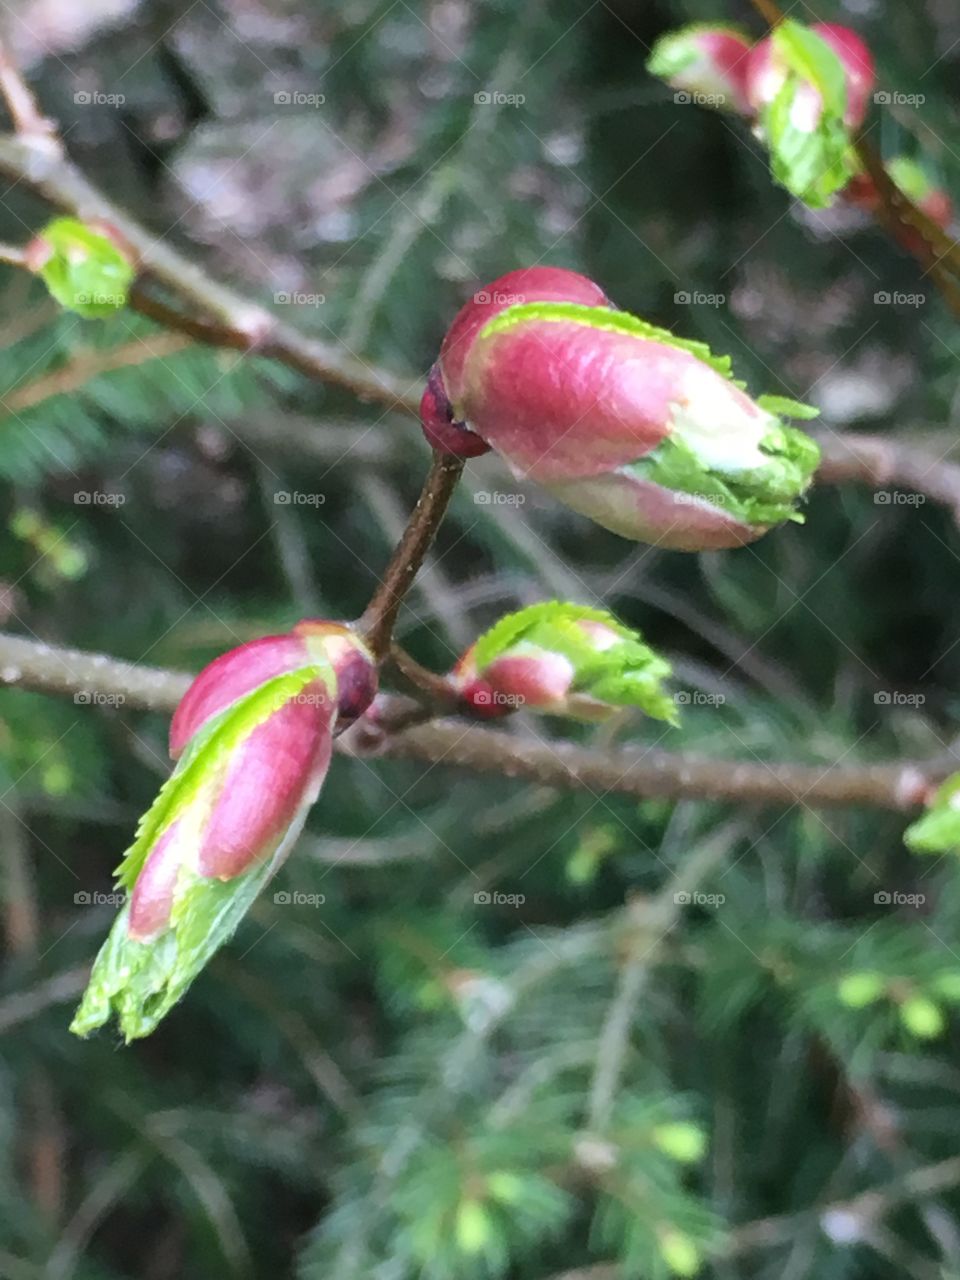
(422, 1075)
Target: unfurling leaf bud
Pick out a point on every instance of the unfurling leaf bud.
(563, 659)
(706, 62)
(645, 433)
(938, 831)
(252, 738)
(88, 267)
(810, 87)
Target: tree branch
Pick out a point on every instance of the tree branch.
(28, 120)
(381, 613)
(241, 324)
(632, 771)
(879, 462)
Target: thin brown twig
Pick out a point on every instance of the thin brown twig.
(380, 615)
(28, 120)
(633, 771)
(437, 689)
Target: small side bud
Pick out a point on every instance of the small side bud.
(562, 659)
(88, 267)
(708, 63)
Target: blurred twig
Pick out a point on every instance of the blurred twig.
(28, 120)
(900, 787)
(878, 461)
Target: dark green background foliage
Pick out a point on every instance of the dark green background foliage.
(405, 1080)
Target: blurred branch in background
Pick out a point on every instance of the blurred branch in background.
(902, 786)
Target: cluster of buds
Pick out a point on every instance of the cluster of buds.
(562, 659)
(88, 267)
(805, 90)
(646, 433)
(252, 738)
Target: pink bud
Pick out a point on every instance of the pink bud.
(530, 284)
(242, 670)
(527, 676)
(152, 899)
(624, 423)
(516, 288)
(274, 774)
(707, 62)
(240, 807)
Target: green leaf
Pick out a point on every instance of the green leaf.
(757, 496)
(86, 272)
(808, 56)
(140, 982)
(812, 163)
(784, 407)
